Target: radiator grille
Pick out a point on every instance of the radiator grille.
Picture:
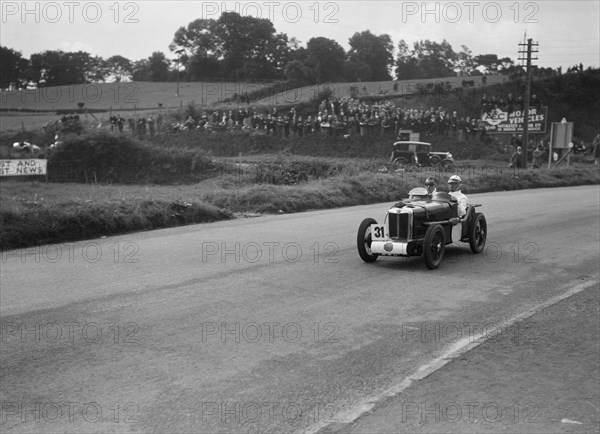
(398, 226)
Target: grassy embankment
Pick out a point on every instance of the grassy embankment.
(33, 213)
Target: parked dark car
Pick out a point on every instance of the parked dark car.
(419, 154)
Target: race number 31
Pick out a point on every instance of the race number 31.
(378, 232)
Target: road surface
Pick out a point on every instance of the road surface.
(271, 324)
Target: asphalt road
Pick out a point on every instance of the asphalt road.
(271, 324)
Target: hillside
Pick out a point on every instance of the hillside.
(365, 89)
(123, 96)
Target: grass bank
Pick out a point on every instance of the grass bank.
(34, 214)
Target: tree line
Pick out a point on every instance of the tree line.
(235, 47)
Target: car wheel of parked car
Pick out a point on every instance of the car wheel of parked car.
(402, 162)
(363, 240)
(435, 159)
(478, 233)
(434, 246)
(446, 165)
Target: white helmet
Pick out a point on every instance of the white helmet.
(454, 178)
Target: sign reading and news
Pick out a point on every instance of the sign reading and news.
(32, 166)
(498, 121)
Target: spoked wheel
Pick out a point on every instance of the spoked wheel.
(446, 165)
(434, 246)
(402, 162)
(477, 233)
(363, 240)
(435, 159)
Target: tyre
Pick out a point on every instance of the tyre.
(402, 162)
(435, 159)
(434, 246)
(446, 165)
(477, 233)
(363, 240)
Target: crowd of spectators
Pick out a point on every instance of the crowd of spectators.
(338, 116)
(490, 104)
(140, 127)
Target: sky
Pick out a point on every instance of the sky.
(568, 32)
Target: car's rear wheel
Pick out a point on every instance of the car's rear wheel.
(363, 240)
(477, 233)
(435, 159)
(402, 162)
(434, 246)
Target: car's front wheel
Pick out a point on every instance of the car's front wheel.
(434, 246)
(477, 233)
(363, 240)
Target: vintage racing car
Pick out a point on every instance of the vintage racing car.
(421, 226)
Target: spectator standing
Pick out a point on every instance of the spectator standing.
(515, 159)
(536, 157)
(159, 122)
(151, 126)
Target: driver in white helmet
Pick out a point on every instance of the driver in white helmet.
(454, 184)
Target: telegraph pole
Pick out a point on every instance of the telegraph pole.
(528, 52)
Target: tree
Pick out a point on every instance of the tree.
(356, 70)
(465, 63)
(489, 63)
(374, 51)
(154, 68)
(13, 68)
(435, 59)
(241, 47)
(505, 64)
(57, 68)
(199, 68)
(249, 47)
(197, 39)
(326, 58)
(297, 73)
(118, 67)
(407, 66)
(198, 49)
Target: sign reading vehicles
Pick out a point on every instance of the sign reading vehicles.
(498, 121)
(23, 167)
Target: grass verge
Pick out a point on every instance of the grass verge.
(33, 214)
(37, 223)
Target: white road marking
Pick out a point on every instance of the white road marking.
(452, 352)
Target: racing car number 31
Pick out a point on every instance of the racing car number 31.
(378, 231)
